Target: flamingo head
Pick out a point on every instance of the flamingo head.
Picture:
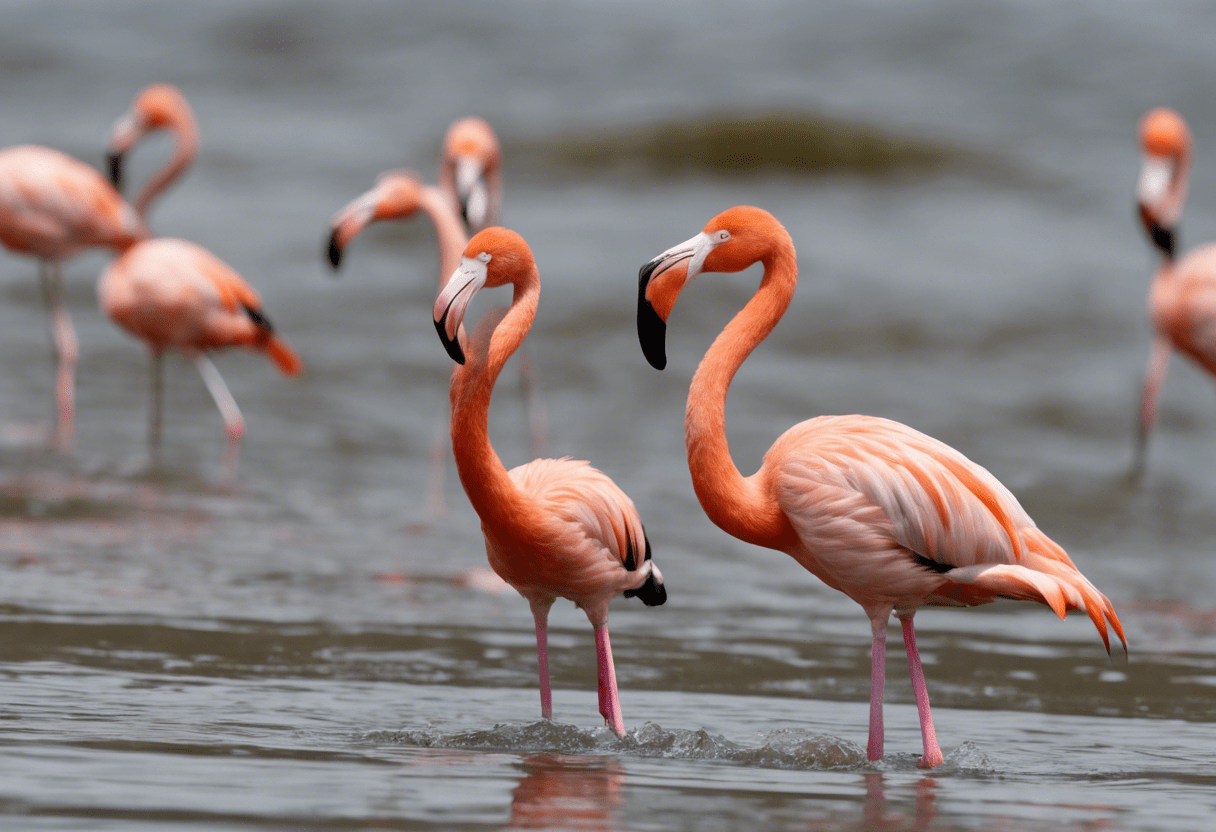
(494, 257)
(397, 194)
(158, 107)
(471, 155)
(730, 242)
(1166, 143)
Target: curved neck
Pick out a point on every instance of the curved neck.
(186, 130)
(736, 504)
(493, 494)
(449, 230)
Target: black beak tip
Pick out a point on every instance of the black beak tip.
(652, 330)
(334, 253)
(114, 161)
(452, 346)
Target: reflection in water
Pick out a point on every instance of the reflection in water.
(561, 791)
(876, 815)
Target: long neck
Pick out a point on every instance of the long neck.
(734, 503)
(493, 495)
(186, 130)
(449, 230)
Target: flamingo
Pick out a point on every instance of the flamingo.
(399, 195)
(554, 528)
(174, 293)
(892, 518)
(469, 172)
(51, 207)
(1182, 298)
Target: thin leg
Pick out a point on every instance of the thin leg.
(933, 754)
(155, 405)
(878, 676)
(534, 403)
(436, 504)
(233, 421)
(540, 613)
(1154, 377)
(67, 350)
(610, 703)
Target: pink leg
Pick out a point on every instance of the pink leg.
(933, 754)
(878, 676)
(540, 613)
(610, 703)
(67, 350)
(1154, 377)
(534, 404)
(234, 423)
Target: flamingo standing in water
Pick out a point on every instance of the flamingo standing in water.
(52, 207)
(1182, 298)
(892, 518)
(469, 172)
(554, 528)
(174, 293)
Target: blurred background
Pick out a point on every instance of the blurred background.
(304, 649)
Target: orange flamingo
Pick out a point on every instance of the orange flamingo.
(554, 528)
(173, 293)
(892, 518)
(398, 195)
(52, 207)
(469, 172)
(1182, 298)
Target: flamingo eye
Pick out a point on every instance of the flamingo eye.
(484, 257)
(722, 236)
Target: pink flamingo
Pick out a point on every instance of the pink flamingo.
(892, 518)
(554, 528)
(470, 174)
(398, 195)
(1182, 298)
(173, 293)
(52, 207)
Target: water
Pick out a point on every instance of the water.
(303, 650)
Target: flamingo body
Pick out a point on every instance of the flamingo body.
(554, 528)
(893, 518)
(1182, 306)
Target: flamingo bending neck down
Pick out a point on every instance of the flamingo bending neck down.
(1182, 297)
(554, 528)
(399, 195)
(892, 518)
(470, 172)
(52, 207)
(174, 293)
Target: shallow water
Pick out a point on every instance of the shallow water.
(305, 649)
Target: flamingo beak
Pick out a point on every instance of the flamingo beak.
(346, 225)
(472, 193)
(453, 302)
(659, 284)
(1155, 179)
(125, 133)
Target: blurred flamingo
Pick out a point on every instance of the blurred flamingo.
(892, 518)
(398, 195)
(554, 528)
(1182, 298)
(174, 293)
(469, 172)
(52, 207)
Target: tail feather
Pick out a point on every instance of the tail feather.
(1060, 592)
(284, 356)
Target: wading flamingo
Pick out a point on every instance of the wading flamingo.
(399, 195)
(1182, 298)
(51, 207)
(554, 528)
(469, 172)
(174, 293)
(892, 518)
